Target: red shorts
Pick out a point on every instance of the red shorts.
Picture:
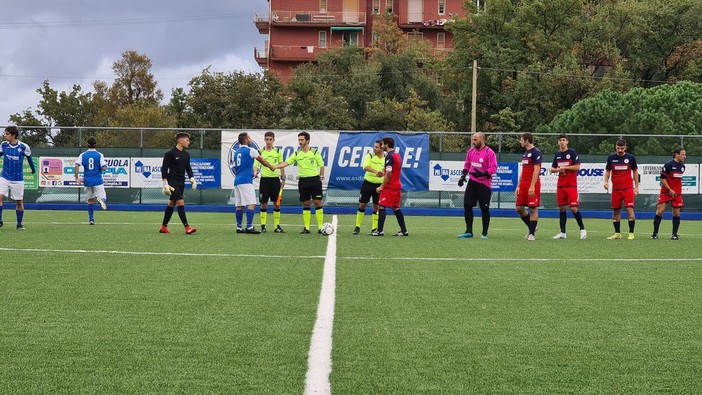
(567, 196)
(390, 198)
(676, 201)
(523, 198)
(620, 196)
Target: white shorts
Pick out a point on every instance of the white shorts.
(244, 195)
(12, 189)
(98, 191)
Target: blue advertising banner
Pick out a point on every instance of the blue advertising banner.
(346, 171)
(207, 172)
(506, 178)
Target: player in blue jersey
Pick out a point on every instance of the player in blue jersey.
(13, 152)
(244, 192)
(94, 164)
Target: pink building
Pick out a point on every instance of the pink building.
(299, 30)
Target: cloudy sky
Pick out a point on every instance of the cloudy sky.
(76, 41)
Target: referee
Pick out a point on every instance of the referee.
(311, 172)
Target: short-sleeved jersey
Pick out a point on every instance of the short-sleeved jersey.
(621, 168)
(244, 165)
(13, 160)
(308, 163)
(92, 162)
(672, 173)
(530, 158)
(566, 158)
(393, 164)
(483, 160)
(274, 156)
(376, 163)
(175, 164)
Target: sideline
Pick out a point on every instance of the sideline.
(319, 361)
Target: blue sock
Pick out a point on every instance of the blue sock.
(91, 211)
(0, 213)
(249, 218)
(20, 215)
(239, 218)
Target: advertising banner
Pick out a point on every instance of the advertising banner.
(59, 172)
(445, 174)
(146, 172)
(651, 179)
(347, 172)
(342, 154)
(590, 178)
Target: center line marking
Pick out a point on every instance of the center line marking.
(319, 361)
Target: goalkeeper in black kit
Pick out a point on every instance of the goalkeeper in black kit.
(176, 163)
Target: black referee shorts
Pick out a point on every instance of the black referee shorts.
(310, 188)
(269, 189)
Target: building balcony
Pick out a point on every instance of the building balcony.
(262, 24)
(261, 56)
(306, 18)
(422, 21)
(295, 53)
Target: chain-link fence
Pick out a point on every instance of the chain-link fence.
(206, 143)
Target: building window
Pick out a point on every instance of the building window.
(415, 35)
(376, 6)
(388, 6)
(322, 5)
(441, 41)
(442, 7)
(349, 39)
(322, 39)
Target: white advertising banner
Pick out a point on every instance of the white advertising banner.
(146, 172)
(590, 178)
(59, 172)
(324, 142)
(651, 179)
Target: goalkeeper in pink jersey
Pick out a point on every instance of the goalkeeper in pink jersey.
(480, 165)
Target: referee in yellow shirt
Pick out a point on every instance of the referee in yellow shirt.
(310, 167)
(374, 165)
(271, 183)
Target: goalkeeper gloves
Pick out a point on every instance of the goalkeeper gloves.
(461, 181)
(193, 183)
(167, 189)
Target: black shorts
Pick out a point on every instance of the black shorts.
(368, 190)
(177, 194)
(477, 193)
(269, 189)
(310, 188)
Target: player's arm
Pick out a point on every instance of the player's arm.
(492, 165)
(608, 173)
(31, 163)
(535, 177)
(265, 163)
(554, 167)
(636, 181)
(320, 163)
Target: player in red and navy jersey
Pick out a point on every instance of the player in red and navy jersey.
(566, 164)
(671, 192)
(622, 168)
(529, 186)
(391, 189)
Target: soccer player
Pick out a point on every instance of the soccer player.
(176, 163)
(310, 166)
(94, 164)
(481, 165)
(671, 192)
(566, 164)
(529, 186)
(622, 168)
(391, 189)
(272, 181)
(245, 194)
(13, 152)
(373, 164)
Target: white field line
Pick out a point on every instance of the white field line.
(319, 363)
(354, 258)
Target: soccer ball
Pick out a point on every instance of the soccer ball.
(327, 229)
